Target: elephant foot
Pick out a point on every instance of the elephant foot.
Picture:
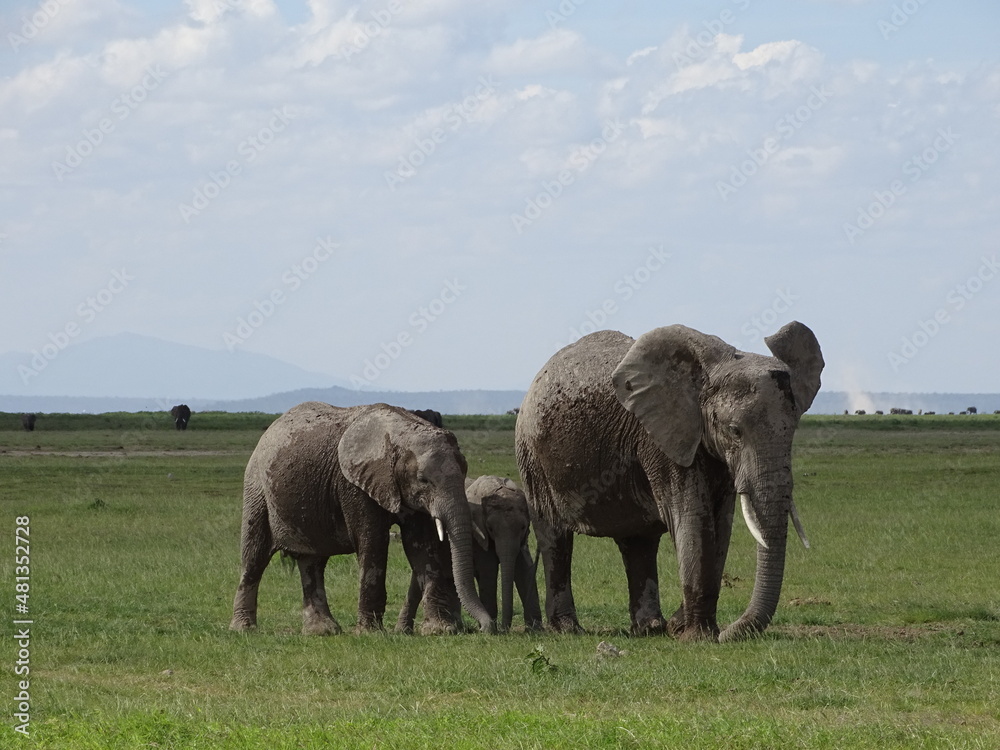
(693, 633)
(242, 624)
(675, 625)
(651, 626)
(566, 624)
(438, 627)
(321, 627)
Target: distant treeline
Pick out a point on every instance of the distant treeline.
(212, 420)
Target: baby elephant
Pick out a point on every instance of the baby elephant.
(327, 481)
(500, 526)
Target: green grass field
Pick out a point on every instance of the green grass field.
(887, 636)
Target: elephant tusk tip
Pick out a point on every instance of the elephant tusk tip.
(440, 528)
(751, 520)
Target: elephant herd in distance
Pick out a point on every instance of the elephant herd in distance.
(617, 437)
(896, 411)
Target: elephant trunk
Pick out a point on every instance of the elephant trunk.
(458, 527)
(768, 510)
(507, 552)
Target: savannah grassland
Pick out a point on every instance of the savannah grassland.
(887, 636)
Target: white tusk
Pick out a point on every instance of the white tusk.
(440, 528)
(798, 525)
(750, 517)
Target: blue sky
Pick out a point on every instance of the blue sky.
(439, 194)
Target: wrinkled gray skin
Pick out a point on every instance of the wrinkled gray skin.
(327, 481)
(500, 526)
(631, 439)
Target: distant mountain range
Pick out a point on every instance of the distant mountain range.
(130, 366)
(149, 374)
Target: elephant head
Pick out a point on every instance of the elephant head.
(409, 466)
(690, 390)
(500, 525)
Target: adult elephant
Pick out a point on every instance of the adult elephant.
(28, 422)
(630, 439)
(182, 415)
(327, 481)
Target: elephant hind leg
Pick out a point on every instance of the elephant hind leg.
(256, 552)
(639, 555)
(556, 548)
(316, 616)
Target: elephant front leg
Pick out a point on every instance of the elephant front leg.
(316, 616)
(556, 548)
(639, 555)
(430, 560)
(373, 560)
(408, 612)
(695, 537)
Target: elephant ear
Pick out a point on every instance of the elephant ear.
(368, 457)
(660, 381)
(797, 347)
(479, 524)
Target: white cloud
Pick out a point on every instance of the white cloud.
(558, 50)
(687, 124)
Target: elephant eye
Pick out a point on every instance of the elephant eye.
(734, 430)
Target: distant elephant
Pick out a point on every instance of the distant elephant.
(327, 481)
(434, 417)
(28, 422)
(630, 439)
(500, 525)
(181, 414)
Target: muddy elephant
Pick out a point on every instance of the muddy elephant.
(500, 526)
(181, 415)
(327, 481)
(631, 439)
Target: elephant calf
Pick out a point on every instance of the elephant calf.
(327, 481)
(500, 526)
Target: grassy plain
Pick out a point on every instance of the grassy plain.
(887, 636)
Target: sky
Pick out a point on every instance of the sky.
(435, 194)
